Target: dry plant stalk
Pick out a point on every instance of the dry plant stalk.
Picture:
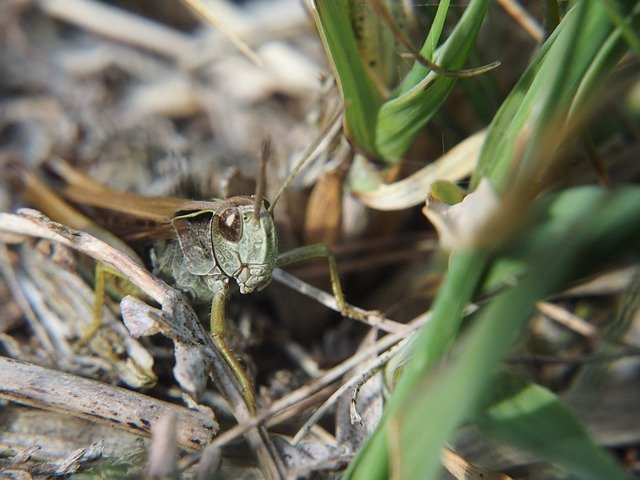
(40, 387)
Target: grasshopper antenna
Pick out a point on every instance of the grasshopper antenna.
(262, 178)
(307, 154)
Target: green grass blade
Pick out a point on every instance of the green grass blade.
(361, 97)
(465, 274)
(630, 34)
(574, 61)
(530, 417)
(382, 129)
(419, 71)
(606, 59)
(400, 119)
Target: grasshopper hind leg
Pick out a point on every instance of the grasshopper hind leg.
(320, 250)
(108, 283)
(99, 290)
(102, 272)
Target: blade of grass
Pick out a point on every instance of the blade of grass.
(385, 130)
(630, 34)
(401, 118)
(582, 51)
(606, 59)
(465, 273)
(530, 417)
(428, 50)
(361, 97)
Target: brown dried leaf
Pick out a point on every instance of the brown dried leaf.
(324, 211)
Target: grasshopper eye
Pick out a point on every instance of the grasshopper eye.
(230, 224)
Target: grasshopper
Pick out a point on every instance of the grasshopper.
(198, 246)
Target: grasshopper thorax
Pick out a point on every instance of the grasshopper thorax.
(245, 247)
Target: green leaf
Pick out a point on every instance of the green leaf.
(419, 71)
(571, 64)
(400, 119)
(530, 417)
(361, 97)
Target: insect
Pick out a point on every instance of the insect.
(198, 246)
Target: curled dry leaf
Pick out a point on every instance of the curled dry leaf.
(190, 370)
(453, 166)
(323, 218)
(459, 224)
(364, 409)
(139, 317)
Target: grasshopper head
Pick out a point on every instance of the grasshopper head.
(245, 248)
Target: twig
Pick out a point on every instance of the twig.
(567, 319)
(40, 387)
(581, 360)
(462, 469)
(355, 380)
(209, 16)
(608, 283)
(521, 16)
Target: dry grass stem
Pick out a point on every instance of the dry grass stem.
(208, 14)
(18, 295)
(121, 26)
(357, 379)
(567, 319)
(522, 17)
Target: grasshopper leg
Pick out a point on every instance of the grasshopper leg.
(320, 250)
(218, 330)
(99, 289)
